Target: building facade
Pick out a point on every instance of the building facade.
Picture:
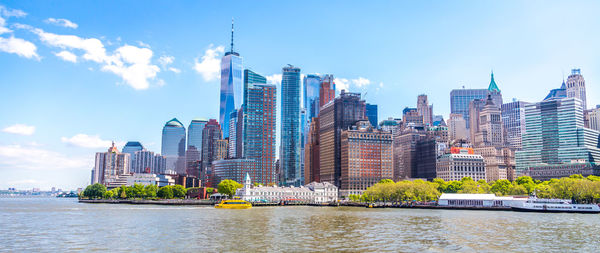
(460, 164)
(231, 85)
(148, 162)
(461, 98)
(313, 193)
(210, 136)
(576, 87)
(366, 158)
(131, 147)
(110, 165)
(194, 135)
(457, 127)
(290, 127)
(173, 145)
(371, 113)
(513, 122)
(425, 110)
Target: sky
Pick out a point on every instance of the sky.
(76, 75)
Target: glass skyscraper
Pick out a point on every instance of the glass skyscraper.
(194, 137)
(312, 85)
(173, 145)
(259, 127)
(460, 99)
(231, 86)
(290, 127)
(130, 148)
(371, 111)
(555, 134)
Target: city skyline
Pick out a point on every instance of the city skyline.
(94, 101)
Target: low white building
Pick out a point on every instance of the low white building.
(143, 179)
(478, 200)
(317, 193)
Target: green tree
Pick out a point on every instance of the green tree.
(228, 187)
(137, 191)
(94, 191)
(150, 191)
(383, 181)
(501, 187)
(165, 192)
(179, 191)
(454, 187)
(527, 183)
(108, 194)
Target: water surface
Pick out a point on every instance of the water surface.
(63, 225)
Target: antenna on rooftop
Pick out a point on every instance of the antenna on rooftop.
(232, 35)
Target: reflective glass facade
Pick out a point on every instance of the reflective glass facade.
(231, 88)
(371, 111)
(460, 99)
(173, 145)
(290, 127)
(194, 137)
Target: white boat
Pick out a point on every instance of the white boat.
(534, 204)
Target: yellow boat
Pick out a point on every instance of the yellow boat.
(234, 204)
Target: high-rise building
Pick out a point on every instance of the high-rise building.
(210, 135)
(221, 149)
(327, 90)
(576, 87)
(173, 145)
(366, 158)
(405, 151)
(555, 135)
(110, 165)
(194, 137)
(335, 116)
(312, 87)
(192, 161)
(438, 120)
(130, 148)
(594, 118)
(457, 127)
(371, 112)
(390, 125)
(148, 162)
(232, 141)
(475, 107)
(259, 128)
(494, 92)
(231, 85)
(411, 116)
(290, 127)
(461, 98)
(513, 121)
(425, 110)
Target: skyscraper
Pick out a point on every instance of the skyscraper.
(210, 135)
(371, 112)
(233, 133)
(411, 115)
(130, 148)
(173, 145)
(425, 110)
(110, 165)
(576, 87)
(555, 135)
(194, 137)
(335, 116)
(513, 121)
(327, 90)
(290, 127)
(494, 92)
(231, 85)
(259, 128)
(457, 127)
(460, 99)
(312, 86)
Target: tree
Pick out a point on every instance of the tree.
(94, 191)
(108, 194)
(501, 187)
(179, 191)
(150, 191)
(228, 187)
(165, 192)
(384, 181)
(137, 191)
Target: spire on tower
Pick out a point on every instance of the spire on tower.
(231, 35)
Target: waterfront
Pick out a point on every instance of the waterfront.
(56, 225)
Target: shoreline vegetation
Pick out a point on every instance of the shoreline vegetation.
(404, 193)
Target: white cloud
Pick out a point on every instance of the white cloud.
(139, 69)
(67, 56)
(274, 79)
(61, 22)
(174, 70)
(87, 141)
(361, 82)
(18, 46)
(142, 44)
(341, 84)
(19, 157)
(11, 12)
(131, 63)
(210, 66)
(19, 129)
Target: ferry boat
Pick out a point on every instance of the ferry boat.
(533, 204)
(234, 204)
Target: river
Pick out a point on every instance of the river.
(63, 225)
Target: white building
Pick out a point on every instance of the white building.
(317, 193)
(143, 179)
(478, 200)
(456, 166)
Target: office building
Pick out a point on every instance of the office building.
(192, 161)
(513, 122)
(460, 163)
(405, 151)
(110, 165)
(438, 120)
(475, 107)
(457, 127)
(290, 127)
(494, 92)
(425, 110)
(594, 118)
(327, 90)
(130, 148)
(194, 136)
(411, 116)
(236, 169)
(366, 158)
(210, 135)
(335, 116)
(232, 140)
(461, 98)
(148, 162)
(555, 135)
(173, 145)
(231, 85)
(371, 112)
(259, 128)
(576, 87)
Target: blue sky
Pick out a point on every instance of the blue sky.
(76, 75)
